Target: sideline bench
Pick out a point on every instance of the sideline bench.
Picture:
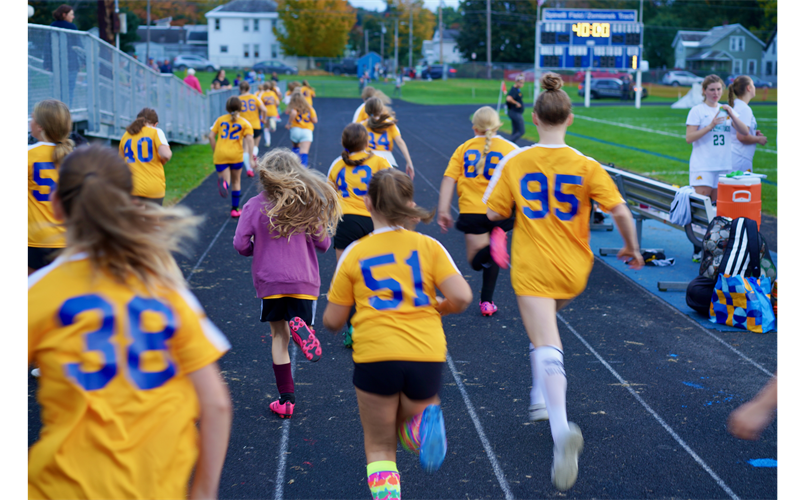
(650, 199)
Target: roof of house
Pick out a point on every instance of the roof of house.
(704, 39)
(246, 6)
(450, 35)
(771, 39)
(710, 55)
(163, 34)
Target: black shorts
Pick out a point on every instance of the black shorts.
(40, 257)
(351, 228)
(416, 379)
(158, 201)
(287, 308)
(258, 133)
(480, 224)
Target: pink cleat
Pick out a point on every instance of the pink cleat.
(488, 308)
(311, 347)
(284, 410)
(223, 187)
(497, 247)
(249, 172)
(235, 213)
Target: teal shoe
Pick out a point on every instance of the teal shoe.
(348, 337)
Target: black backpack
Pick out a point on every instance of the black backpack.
(717, 241)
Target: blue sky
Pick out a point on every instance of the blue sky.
(380, 5)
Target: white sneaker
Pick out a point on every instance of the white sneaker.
(256, 150)
(565, 468)
(537, 413)
(35, 372)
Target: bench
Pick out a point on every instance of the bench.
(650, 199)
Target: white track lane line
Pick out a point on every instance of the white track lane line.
(659, 419)
(279, 485)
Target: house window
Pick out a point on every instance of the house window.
(224, 49)
(245, 50)
(737, 43)
(245, 25)
(737, 66)
(217, 25)
(256, 50)
(751, 67)
(275, 49)
(273, 23)
(256, 25)
(769, 68)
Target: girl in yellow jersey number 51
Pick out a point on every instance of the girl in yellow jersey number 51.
(551, 185)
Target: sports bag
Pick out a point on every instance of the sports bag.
(715, 243)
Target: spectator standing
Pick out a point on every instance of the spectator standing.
(153, 65)
(191, 80)
(626, 87)
(237, 80)
(220, 78)
(166, 67)
(63, 18)
(398, 84)
(275, 77)
(741, 91)
(514, 101)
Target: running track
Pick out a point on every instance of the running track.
(649, 388)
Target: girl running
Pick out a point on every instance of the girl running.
(50, 125)
(350, 175)
(741, 91)
(471, 167)
(251, 107)
(367, 92)
(127, 355)
(146, 150)
(282, 228)
(308, 92)
(391, 276)
(301, 122)
(291, 87)
(228, 137)
(383, 133)
(550, 185)
(271, 101)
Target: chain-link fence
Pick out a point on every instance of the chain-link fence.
(106, 88)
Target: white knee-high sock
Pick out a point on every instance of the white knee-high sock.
(553, 384)
(247, 159)
(536, 394)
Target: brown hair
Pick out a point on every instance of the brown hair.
(385, 117)
(710, 79)
(299, 103)
(367, 92)
(53, 117)
(293, 86)
(61, 11)
(553, 106)
(738, 87)
(486, 120)
(392, 192)
(122, 237)
(244, 86)
(303, 200)
(233, 106)
(147, 115)
(354, 138)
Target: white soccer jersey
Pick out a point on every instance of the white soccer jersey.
(713, 151)
(742, 154)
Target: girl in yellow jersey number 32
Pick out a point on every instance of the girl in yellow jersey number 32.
(550, 185)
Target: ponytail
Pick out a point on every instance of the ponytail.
(731, 94)
(488, 120)
(144, 117)
(392, 196)
(351, 162)
(233, 106)
(738, 88)
(54, 118)
(489, 133)
(354, 138)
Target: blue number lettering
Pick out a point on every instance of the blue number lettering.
(236, 128)
(252, 105)
(128, 153)
(372, 144)
(150, 151)
(144, 341)
(471, 157)
(225, 129)
(341, 182)
(541, 195)
(421, 298)
(99, 340)
(43, 181)
(367, 176)
(384, 141)
(243, 106)
(385, 284)
(492, 160)
(561, 197)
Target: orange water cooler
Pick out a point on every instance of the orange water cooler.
(739, 196)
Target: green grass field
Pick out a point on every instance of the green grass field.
(188, 167)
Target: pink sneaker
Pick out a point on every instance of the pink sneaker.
(497, 247)
(311, 347)
(223, 187)
(284, 410)
(250, 172)
(235, 213)
(488, 308)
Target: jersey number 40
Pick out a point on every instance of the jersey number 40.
(144, 154)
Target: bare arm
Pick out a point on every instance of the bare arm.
(692, 134)
(291, 117)
(752, 139)
(214, 427)
(457, 295)
(335, 316)
(625, 222)
(736, 121)
(165, 153)
(248, 141)
(749, 420)
(444, 217)
(314, 119)
(212, 140)
(409, 165)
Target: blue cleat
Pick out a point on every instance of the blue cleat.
(433, 440)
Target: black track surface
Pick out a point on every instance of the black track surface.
(688, 379)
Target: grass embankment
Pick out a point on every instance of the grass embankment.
(188, 167)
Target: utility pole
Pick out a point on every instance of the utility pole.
(117, 35)
(537, 34)
(441, 37)
(382, 39)
(489, 39)
(411, 36)
(366, 39)
(147, 31)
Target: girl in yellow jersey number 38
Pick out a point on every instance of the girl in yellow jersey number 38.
(550, 185)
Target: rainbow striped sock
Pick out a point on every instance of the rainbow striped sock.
(384, 480)
(408, 433)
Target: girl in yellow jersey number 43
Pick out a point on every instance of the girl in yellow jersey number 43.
(127, 355)
(550, 185)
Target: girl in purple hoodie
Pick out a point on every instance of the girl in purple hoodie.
(282, 228)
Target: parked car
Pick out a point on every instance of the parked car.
(759, 84)
(269, 67)
(437, 72)
(676, 78)
(347, 66)
(608, 87)
(198, 63)
(599, 73)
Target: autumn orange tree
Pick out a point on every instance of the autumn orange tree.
(314, 28)
(424, 24)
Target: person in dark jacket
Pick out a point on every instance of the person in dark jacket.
(63, 18)
(514, 101)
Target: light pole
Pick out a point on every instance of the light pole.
(396, 46)
(117, 35)
(382, 39)
(489, 39)
(411, 36)
(148, 31)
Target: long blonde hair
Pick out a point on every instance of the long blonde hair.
(53, 117)
(299, 103)
(486, 120)
(122, 238)
(303, 200)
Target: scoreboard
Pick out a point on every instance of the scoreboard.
(581, 39)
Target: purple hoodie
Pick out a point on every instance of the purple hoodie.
(280, 266)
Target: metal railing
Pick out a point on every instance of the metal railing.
(106, 88)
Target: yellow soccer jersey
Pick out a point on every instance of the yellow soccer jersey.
(271, 102)
(381, 141)
(551, 187)
(119, 411)
(229, 139)
(43, 175)
(472, 178)
(352, 183)
(308, 93)
(250, 110)
(391, 276)
(305, 120)
(141, 154)
(360, 114)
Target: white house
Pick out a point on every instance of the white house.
(430, 48)
(769, 66)
(240, 33)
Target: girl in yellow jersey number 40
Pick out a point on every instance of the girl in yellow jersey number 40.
(550, 185)
(127, 355)
(145, 148)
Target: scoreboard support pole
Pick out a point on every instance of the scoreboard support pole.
(638, 94)
(587, 89)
